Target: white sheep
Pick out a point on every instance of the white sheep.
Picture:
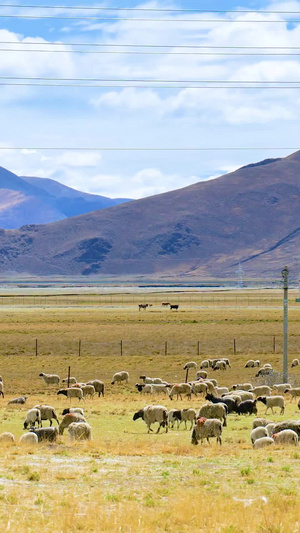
(2, 389)
(179, 389)
(17, 401)
(205, 364)
(73, 410)
(50, 379)
(47, 413)
(262, 390)
(287, 436)
(79, 431)
(144, 389)
(242, 386)
(118, 377)
(270, 429)
(295, 362)
(281, 387)
(190, 364)
(7, 438)
(257, 362)
(220, 365)
(33, 416)
(258, 433)
(152, 414)
(28, 439)
(68, 419)
(261, 422)
(149, 380)
(293, 392)
(174, 416)
(98, 386)
(219, 391)
(71, 380)
(158, 388)
(199, 387)
(250, 363)
(210, 386)
(244, 395)
(214, 410)
(213, 381)
(271, 402)
(187, 415)
(45, 434)
(201, 374)
(88, 390)
(262, 442)
(207, 429)
(72, 392)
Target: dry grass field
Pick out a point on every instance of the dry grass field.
(126, 480)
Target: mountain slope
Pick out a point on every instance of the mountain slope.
(249, 216)
(25, 200)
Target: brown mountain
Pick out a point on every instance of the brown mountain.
(250, 216)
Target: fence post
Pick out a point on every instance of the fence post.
(79, 348)
(69, 374)
(166, 348)
(121, 346)
(274, 344)
(187, 375)
(198, 347)
(36, 347)
(234, 346)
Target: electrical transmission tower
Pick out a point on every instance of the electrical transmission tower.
(240, 276)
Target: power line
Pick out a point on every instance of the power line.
(129, 52)
(142, 80)
(135, 19)
(147, 86)
(122, 45)
(152, 149)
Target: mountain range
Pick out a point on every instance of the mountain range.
(248, 217)
(28, 200)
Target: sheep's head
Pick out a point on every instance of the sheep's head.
(201, 421)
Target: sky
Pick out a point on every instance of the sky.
(148, 117)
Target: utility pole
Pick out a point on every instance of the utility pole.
(240, 276)
(285, 276)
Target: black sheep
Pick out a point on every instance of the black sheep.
(247, 407)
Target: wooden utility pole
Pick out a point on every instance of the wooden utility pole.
(285, 276)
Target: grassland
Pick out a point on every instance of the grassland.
(126, 480)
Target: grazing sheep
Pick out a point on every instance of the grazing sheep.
(287, 436)
(215, 410)
(144, 389)
(49, 434)
(33, 416)
(229, 402)
(271, 402)
(71, 380)
(205, 364)
(73, 410)
(265, 371)
(247, 407)
(68, 419)
(18, 401)
(293, 392)
(226, 360)
(98, 386)
(79, 431)
(219, 391)
(206, 429)
(219, 365)
(118, 377)
(148, 380)
(262, 390)
(187, 415)
(258, 433)
(199, 387)
(179, 389)
(250, 363)
(210, 386)
(50, 379)
(152, 414)
(47, 413)
(242, 386)
(72, 392)
(257, 362)
(270, 429)
(201, 374)
(28, 439)
(288, 424)
(2, 389)
(7, 437)
(158, 388)
(244, 395)
(295, 362)
(190, 364)
(263, 442)
(235, 396)
(88, 390)
(281, 387)
(213, 381)
(174, 415)
(261, 422)
(268, 365)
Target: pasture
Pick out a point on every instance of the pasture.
(125, 479)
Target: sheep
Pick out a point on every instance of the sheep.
(201, 374)
(295, 362)
(152, 414)
(268, 365)
(206, 429)
(79, 431)
(72, 392)
(262, 390)
(2, 389)
(242, 386)
(7, 438)
(250, 363)
(199, 387)
(18, 401)
(244, 395)
(144, 389)
(205, 364)
(47, 413)
(71, 380)
(28, 439)
(210, 386)
(190, 364)
(270, 429)
(98, 386)
(33, 416)
(50, 379)
(118, 377)
(179, 389)
(287, 436)
(236, 397)
(262, 442)
(158, 388)
(258, 433)
(261, 422)
(216, 410)
(226, 360)
(88, 390)
(151, 380)
(257, 362)
(73, 410)
(281, 387)
(174, 415)
(293, 392)
(271, 402)
(68, 419)
(219, 391)
(49, 434)
(187, 415)
(229, 402)
(265, 371)
(288, 424)
(220, 365)
(213, 381)
(247, 406)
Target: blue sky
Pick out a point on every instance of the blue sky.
(148, 117)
